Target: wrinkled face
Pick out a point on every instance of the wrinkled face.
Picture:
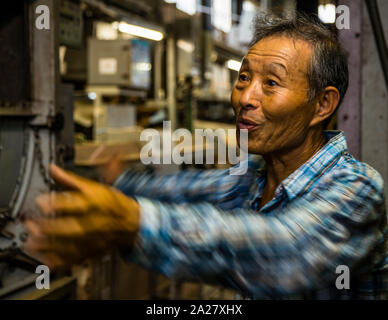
(270, 97)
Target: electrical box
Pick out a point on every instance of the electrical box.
(120, 62)
(109, 62)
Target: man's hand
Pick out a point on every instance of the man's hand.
(110, 171)
(85, 222)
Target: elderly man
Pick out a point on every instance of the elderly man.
(304, 207)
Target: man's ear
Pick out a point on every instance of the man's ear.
(325, 105)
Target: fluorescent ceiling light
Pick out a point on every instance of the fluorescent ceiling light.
(233, 65)
(326, 13)
(185, 46)
(170, 1)
(140, 31)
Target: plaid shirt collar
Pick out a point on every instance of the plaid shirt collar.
(303, 177)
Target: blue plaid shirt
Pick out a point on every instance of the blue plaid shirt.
(206, 226)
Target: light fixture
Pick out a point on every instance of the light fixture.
(106, 31)
(140, 31)
(233, 65)
(187, 6)
(142, 66)
(326, 13)
(92, 95)
(222, 14)
(249, 6)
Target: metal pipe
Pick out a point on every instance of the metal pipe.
(171, 81)
(378, 33)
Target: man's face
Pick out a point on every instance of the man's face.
(270, 95)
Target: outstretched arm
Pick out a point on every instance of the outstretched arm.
(341, 221)
(213, 186)
(338, 223)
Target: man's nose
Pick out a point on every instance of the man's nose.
(251, 96)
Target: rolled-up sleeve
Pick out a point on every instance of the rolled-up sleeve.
(338, 222)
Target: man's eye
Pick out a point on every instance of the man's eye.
(243, 77)
(272, 83)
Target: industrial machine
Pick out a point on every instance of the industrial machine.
(35, 129)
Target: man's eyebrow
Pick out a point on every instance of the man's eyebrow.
(245, 62)
(277, 65)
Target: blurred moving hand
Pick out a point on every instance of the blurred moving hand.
(110, 172)
(86, 222)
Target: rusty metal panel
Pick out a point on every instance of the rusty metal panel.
(44, 62)
(349, 113)
(374, 98)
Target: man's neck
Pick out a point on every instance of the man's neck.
(281, 164)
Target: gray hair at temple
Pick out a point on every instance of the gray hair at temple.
(329, 65)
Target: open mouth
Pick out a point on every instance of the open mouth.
(248, 124)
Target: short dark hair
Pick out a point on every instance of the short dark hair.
(328, 66)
